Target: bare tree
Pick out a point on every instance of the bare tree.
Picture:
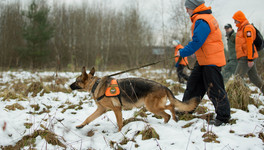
(10, 34)
(180, 23)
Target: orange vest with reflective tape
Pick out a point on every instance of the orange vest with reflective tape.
(113, 89)
(182, 62)
(212, 51)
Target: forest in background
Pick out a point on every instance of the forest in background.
(63, 37)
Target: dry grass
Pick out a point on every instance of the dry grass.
(261, 136)
(187, 125)
(29, 140)
(210, 137)
(238, 94)
(141, 112)
(8, 95)
(35, 88)
(58, 80)
(127, 121)
(57, 88)
(14, 107)
(149, 133)
(201, 110)
(72, 106)
(28, 125)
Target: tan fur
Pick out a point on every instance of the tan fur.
(154, 102)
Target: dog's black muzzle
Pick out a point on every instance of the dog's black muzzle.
(74, 86)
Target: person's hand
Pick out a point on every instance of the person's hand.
(250, 64)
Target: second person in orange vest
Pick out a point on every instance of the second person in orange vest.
(246, 51)
(180, 62)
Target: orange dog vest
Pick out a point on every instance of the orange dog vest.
(113, 89)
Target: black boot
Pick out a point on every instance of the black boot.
(217, 122)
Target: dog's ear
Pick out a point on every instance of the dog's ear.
(92, 71)
(83, 70)
(84, 74)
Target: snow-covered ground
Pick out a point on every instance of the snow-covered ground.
(60, 112)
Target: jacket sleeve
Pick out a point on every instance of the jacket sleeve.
(233, 38)
(200, 34)
(248, 34)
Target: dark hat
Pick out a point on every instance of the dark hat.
(227, 26)
(192, 4)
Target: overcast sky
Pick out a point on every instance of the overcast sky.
(223, 10)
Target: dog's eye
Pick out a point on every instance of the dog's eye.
(78, 80)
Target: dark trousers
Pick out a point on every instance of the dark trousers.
(181, 74)
(209, 79)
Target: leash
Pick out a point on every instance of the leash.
(150, 64)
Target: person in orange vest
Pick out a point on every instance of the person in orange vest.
(180, 63)
(245, 50)
(208, 47)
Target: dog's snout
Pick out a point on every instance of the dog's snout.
(73, 86)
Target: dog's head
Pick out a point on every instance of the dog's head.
(83, 80)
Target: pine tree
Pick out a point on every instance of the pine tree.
(37, 32)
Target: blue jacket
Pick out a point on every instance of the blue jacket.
(200, 34)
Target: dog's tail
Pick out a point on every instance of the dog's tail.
(187, 106)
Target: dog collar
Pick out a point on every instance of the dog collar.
(95, 85)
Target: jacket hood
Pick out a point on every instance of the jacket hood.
(239, 16)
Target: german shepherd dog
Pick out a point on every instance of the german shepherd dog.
(134, 92)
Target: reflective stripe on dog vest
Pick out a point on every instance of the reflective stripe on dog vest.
(113, 89)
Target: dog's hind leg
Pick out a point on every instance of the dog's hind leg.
(157, 104)
(160, 112)
(164, 115)
(119, 119)
(171, 108)
(99, 111)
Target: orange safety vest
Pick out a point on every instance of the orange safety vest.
(113, 89)
(182, 62)
(212, 51)
(246, 34)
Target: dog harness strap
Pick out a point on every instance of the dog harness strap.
(119, 98)
(95, 85)
(101, 97)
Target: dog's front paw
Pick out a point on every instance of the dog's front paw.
(80, 126)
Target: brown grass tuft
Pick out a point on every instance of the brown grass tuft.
(8, 94)
(187, 125)
(14, 107)
(149, 133)
(210, 137)
(186, 116)
(35, 88)
(57, 88)
(29, 140)
(201, 110)
(28, 125)
(127, 121)
(238, 93)
(261, 136)
(141, 112)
